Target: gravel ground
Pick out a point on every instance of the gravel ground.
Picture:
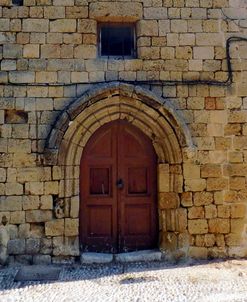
(194, 281)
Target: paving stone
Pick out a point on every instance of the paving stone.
(149, 255)
(96, 258)
(37, 273)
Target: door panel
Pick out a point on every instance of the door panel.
(100, 180)
(137, 180)
(99, 221)
(98, 211)
(137, 166)
(118, 190)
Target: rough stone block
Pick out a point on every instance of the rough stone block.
(196, 212)
(85, 52)
(46, 202)
(211, 170)
(22, 76)
(55, 12)
(219, 225)
(12, 188)
(223, 211)
(71, 227)
(35, 25)
(86, 26)
(198, 226)
(191, 171)
(238, 211)
(41, 259)
(54, 227)
(157, 13)
(210, 211)
(32, 246)
(31, 51)
(24, 231)
(169, 200)
(30, 202)
(68, 246)
(12, 51)
(198, 252)
(74, 207)
(90, 258)
(16, 246)
(195, 185)
(217, 184)
(115, 11)
(147, 28)
(38, 215)
(45, 245)
(63, 25)
(17, 217)
(3, 175)
(203, 198)
(186, 199)
(34, 188)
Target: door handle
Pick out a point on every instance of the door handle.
(120, 184)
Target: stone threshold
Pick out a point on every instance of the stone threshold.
(139, 256)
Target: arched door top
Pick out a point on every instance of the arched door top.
(156, 117)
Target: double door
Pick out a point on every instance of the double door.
(118, 211)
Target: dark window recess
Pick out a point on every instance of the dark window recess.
(17, 2)
(117, 40)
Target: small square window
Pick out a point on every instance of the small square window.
(17, 2)
(117, 40)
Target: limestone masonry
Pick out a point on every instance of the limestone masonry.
(55, 91)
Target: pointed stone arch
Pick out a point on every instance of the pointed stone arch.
(104, 103)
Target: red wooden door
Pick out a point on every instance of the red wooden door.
(118, 190)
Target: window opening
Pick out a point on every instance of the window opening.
(117, 40)
(17, 2)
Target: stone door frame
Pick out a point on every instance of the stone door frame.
(157, 118)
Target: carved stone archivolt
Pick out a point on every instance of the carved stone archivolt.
(154, 116)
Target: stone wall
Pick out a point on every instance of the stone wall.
(49, 62)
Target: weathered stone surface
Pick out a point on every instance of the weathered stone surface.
(169, 242)
(32, 246)
(198, 226)
(16, 246)
(71, 227)
(198, 252)
(66, 246)
(203, 198)
(149, 255)
(196, 212)
(41, 260)
(35, 25)
(163, 178)
(90, 258)
(168, 200)
(63, 25)
(38, 215)
(11, 203)
(54, 227)
(117, 11)
(219, 225)
(4, 239)
(37, 273)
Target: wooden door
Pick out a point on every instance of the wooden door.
(118, 190)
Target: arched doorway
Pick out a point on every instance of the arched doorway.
(152, 115)
(118, 207)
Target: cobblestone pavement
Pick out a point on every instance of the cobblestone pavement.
(197, 281)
